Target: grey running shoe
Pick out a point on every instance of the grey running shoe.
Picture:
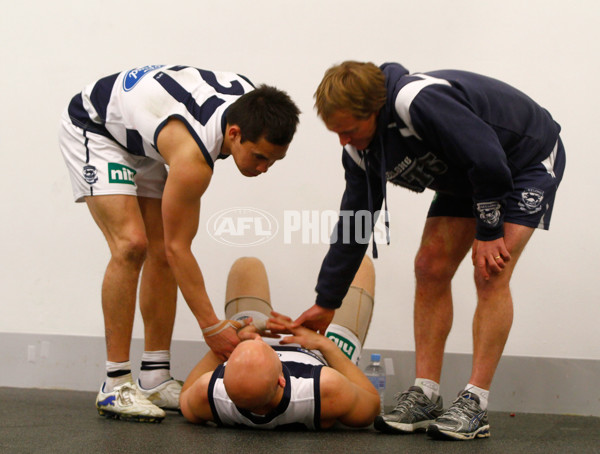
(464, 420)
(414, 411)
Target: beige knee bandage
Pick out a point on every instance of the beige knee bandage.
(355, 312)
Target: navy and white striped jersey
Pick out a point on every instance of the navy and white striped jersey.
(133, 106)
(301, 402)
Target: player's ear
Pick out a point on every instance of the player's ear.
(233, 131)
(282, 381)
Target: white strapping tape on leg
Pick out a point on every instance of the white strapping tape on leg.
(259, 320)
(245, 304)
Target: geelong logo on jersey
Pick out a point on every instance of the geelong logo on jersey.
(135, 75)
(118, 173)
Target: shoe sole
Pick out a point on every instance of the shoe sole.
(125, 417)
(434, 432)
(396, 428)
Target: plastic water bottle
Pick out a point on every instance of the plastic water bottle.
(375, 372)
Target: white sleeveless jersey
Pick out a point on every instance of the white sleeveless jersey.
(301, 402)
(133, 106)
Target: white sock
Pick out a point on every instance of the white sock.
(156, 368)
(346, 341)
(483, 395)
(117, 374)
(429, 387)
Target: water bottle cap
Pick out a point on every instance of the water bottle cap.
(375, 357)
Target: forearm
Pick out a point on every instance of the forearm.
(345, 254)
(337, 272)
(191, 282)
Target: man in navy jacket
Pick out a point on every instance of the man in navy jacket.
(494, 159)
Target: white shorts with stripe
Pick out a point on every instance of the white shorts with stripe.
(100, 166)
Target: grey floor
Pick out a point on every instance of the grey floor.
(49, 421)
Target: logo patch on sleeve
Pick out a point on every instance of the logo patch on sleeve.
(135, 75)
(489, 212)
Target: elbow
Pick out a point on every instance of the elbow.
(365, 416)
(187, 411)
(372, 411)
(185, 408)
(375, 411)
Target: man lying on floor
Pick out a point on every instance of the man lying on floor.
(301, 379)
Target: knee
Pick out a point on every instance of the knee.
(156, 251)
(245, 264)
(247, 276)
(430, 266)
(131, 250)
(497, 286)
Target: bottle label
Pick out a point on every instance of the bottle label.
(378, 381)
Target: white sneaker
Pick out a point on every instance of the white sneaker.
(165, 395)
(128, 403)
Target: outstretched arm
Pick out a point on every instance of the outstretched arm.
(189, 176)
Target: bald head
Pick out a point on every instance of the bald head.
(253, 375)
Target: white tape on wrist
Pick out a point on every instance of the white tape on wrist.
(222, 325)
(260, 325)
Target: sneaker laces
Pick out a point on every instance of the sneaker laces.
(461, 406)
(125, 394)
(407, 400)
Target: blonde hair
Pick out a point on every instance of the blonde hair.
(356, 87)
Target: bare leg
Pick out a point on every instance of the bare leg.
(158, 288)
(120, 220)
(444, 244)
(494, 313)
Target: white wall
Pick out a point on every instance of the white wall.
(54, 256)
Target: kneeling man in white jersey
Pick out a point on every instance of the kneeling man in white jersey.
(303, 379)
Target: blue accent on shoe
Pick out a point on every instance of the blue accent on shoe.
(108, 401)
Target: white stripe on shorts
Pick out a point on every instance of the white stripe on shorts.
(548, 163)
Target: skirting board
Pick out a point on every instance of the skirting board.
(521, 384)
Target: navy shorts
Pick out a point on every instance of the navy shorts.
(531, 202)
